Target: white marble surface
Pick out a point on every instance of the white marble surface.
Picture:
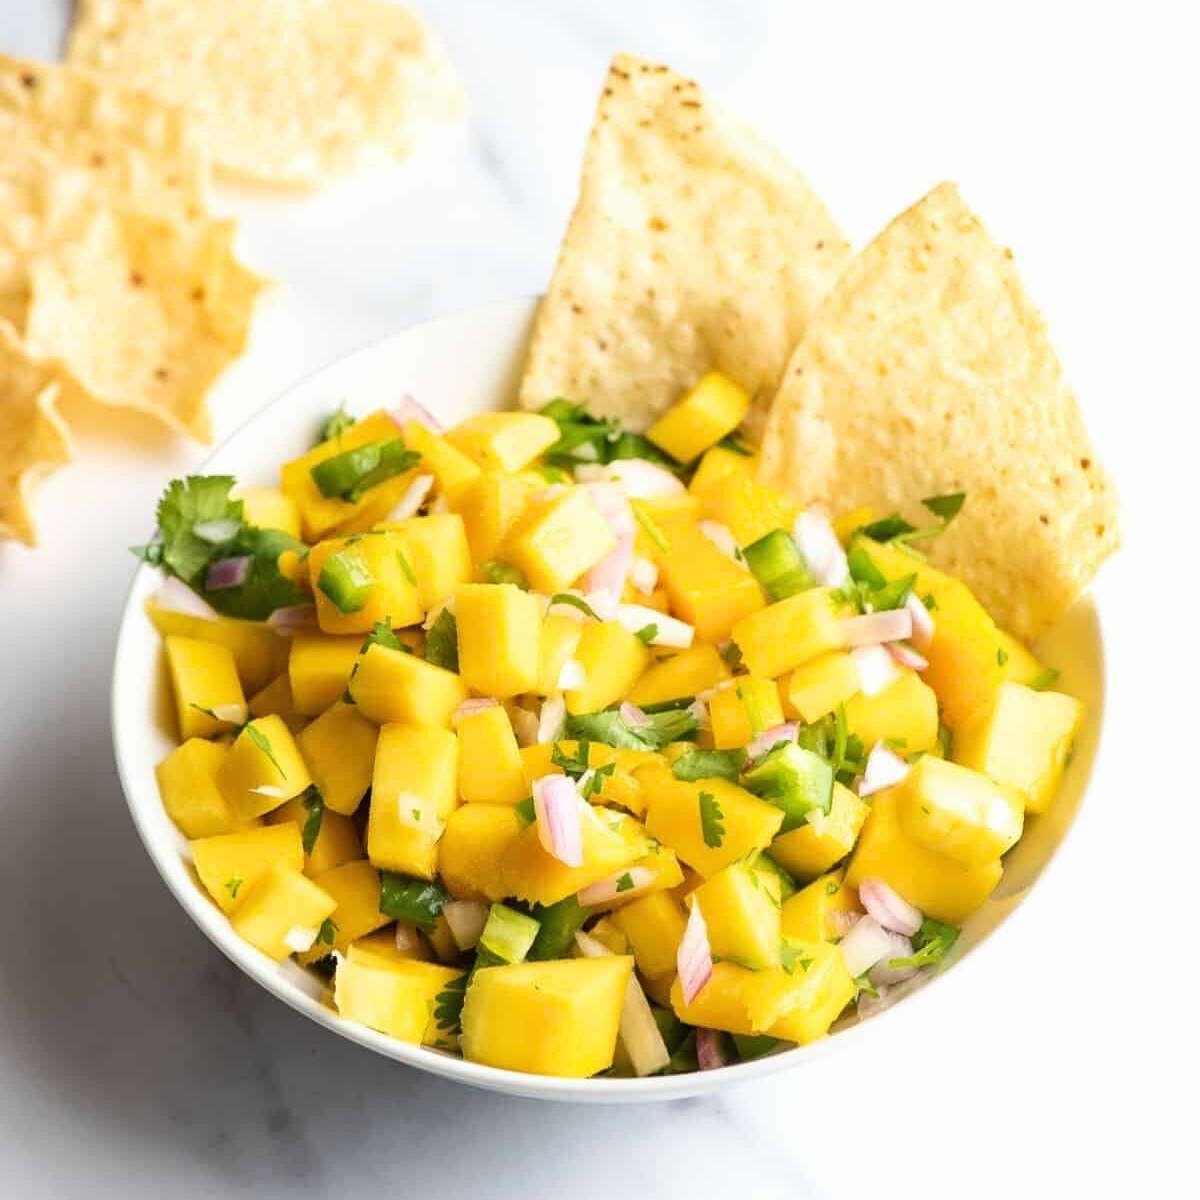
(136, 1063)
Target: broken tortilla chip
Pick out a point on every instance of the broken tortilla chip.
(280, 91)
(693, 247)
(33, 438)
(143, 313)
(928, 371)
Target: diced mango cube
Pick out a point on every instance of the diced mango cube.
(437, 550)
(958, 812)
(379, 949)
(826, 839)
(472, 848)
(264, 767)
(559, 641)
(1017, 664)
(811, 915)
(748, 509)
(268, 508)
(275, 698)
(504, 441)
(282, 912)
(337, 837)
(548, 1018)
(905, 713)
(612, 658)
(392, 686)
(398, 999)
(319, 669)
(208, 693)
(558, 538)
(653, 925)
(746, 823)
(339, 749)
(490, 505)
(386, 583)
(231, 862)
(489, 762)
(710, 409)
(688, 673)
(354, 886)
(498, 630)
(719, 466)
(606, 932)
(786, 634)
(743, 710)
(938, 885)
(1024, 741)
(187, 782)
(450, 467)
(741, 910)
(827, 987)
(818, 686)
(739, 1000)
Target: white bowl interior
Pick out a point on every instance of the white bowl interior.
(456, 366)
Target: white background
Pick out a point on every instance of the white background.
(1063, 1057)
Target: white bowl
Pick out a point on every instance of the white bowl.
(456, 366)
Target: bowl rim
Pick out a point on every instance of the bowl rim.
(264, 971)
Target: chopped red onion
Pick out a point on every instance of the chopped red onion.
(468, 708)
(235, 714)
(876, 669)
(669, 631)
(710, 1049)
(643, 574)
(922, 622)
(842, 920)
(871, 629)
(633, 716)
(723, 539)
(643, 479)
(227, 573)
(414, 496)
(466, 919)
(906, 656)
(613, 505)
(300, 938)
(409, 410)
(693, 959)
(550, 720)
(602, 603)
(622, 885)
(865, 944)
(820, 548)
(558, 807)
(888, 907)
(408, 939)
(771, 737)
(883, 770)
(294, 617)
(882, 975)
(216, 532)
(175, 596)
(270, 790)
(608, 576)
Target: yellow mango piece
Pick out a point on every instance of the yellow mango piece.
(274, 699)
(320, 514)
(268, 508)
(826, 988)
(742, 711)
(748, 509)
(741, 910)
(665, 873)
(559, 641)
(612, 659)
(653, 926)
(489, 764)
(939, 886)
(208, 693)
(391, 686)
(504, 441)
(230, 863)
(558, 538)
(259, 653)
(620, 787)
(498, 630)
(710, 409)
(818, 686)
(811, 914)
(1018, 665)
(337, 838)
(187, 782)
(264, 767)
(450, 467)
(1024, 741)
(738, 1000)
(528, 872)
(705, 588)
(964, 658)
(718, 466)
(958, 812)
(413, 791)
(437, 550)
(472, 848)
(688, 673)
(339, 750)
(547, 1018)
(391, 595)
(319, 669)
(813, 848)
(490, 505)
(379, 949)
(397, 999)
(441, 939)
(281, 912)
(849, 523)
(905, 713)
(673, 817)
(782, 636)
(354, 886)
(606, 932)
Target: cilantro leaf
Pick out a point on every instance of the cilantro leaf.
(263, 743)
(792, 957)
(419, 901)
(314, 803)
(441, 642)
(931, 943)
(709, 764)
(381, 635)
(492, 570)
(712, 826)
(863, 984)
(946, 507)
(232, 885)
(1046, 680)
(406, 567)
(525, 811)
(583, 438)
(335, 425)
(609, 727)
(624, 882)
(574, 602)
(185, 504)
(575, 765)
(647, 633)
(327, 932)
(592, 781)
(448, 1005)
(649, 526)
(1001, 657)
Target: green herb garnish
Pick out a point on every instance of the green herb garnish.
(327, 932)
(709, 764)
(647, 634)
(417, 901)
(314, 805)
(448, 1005)
(1046, 680)
(493, 570)
(574, 602)
(931, 943)
(712, 826)
(609, 727)
(263, 743)
(441, 642)
(335, 425)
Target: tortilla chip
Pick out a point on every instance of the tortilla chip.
(33, 437)
(927, 371)
(143, 313)
(693, 247)
(283, 93)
